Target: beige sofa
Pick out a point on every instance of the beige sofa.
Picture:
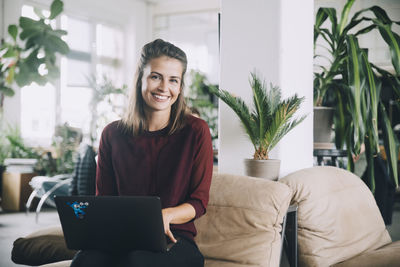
(339, 223)
(241, 227)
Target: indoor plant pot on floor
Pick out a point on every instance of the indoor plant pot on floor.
(270, 119)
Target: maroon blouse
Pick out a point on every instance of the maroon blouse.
(177, 167)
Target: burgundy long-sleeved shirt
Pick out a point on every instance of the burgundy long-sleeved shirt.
(177, 167)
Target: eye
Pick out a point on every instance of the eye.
(154, 77)
(174, 81)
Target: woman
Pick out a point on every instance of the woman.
(157, 149)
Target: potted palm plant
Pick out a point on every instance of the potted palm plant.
(353, 83)
(265, 124)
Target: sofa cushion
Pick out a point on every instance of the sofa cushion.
(337, 216)
(243, 221)
(386, 256)
(41, 247)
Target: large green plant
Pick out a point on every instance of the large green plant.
(30, 56)
(352, 81)
(270, 119)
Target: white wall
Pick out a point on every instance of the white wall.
(295, 76)
(274, 38)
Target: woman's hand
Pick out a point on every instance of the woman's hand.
(167, 218)
(177, 215)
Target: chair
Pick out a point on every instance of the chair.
(80, 182)
(339, 223)
(45, 188)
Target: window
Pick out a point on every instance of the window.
(37, 113)
(96, 49)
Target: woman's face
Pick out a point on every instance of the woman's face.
(161, 83)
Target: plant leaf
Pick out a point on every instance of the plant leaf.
(381, 14)
(10, 53)
(393, 40)
(56, 44)
(7, 91)
(241, 109)
(356, 84)
(13, 31)
(10, 76)
(26, 23)
(345, 15)
(283, 122)
(38, 12)
(373, 94)
(370, 170)
(365, 30)
(340, 121)
(29, 32)
(319, 20)
(391, 145)
(56, 8)
(261, 109)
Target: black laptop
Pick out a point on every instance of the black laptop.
(112, 223)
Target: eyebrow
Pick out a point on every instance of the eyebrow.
(175, 77)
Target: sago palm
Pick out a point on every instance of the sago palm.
(271, 117)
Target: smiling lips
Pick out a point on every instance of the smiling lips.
(161, 98)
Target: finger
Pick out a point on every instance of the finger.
(171, 236)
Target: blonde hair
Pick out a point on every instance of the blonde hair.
(134, 120)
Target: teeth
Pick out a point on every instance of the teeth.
(161, 97)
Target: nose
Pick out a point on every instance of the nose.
(163, 86)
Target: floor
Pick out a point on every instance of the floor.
(17, 224)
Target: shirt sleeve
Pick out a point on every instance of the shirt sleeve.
(105, 178)
(202, 170)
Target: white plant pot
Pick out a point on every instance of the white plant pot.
(267, 169)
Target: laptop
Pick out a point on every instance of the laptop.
(112, 223)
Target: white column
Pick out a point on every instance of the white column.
(275, 38)
(296, 76)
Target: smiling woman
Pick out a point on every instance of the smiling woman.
(158, 149)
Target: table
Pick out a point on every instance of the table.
(332, 153)
(15, 190)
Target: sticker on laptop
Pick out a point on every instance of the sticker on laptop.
(78, 208)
